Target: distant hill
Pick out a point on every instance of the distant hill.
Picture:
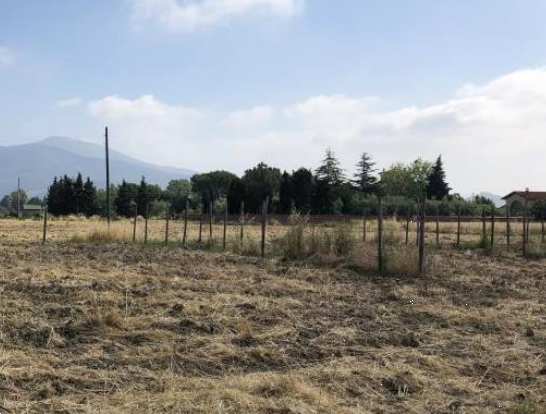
(38, 163)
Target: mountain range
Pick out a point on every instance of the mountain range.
(36, 165)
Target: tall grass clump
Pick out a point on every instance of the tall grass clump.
(293, 245)
(343, 240)
(302, 241)
(100, 236)
(402, 262)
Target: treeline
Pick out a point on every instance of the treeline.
(326, 190)
(72, 196)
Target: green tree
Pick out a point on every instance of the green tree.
(364, 179)
(538, 210)
(302, 189)
(437, 187)
(286, 199)
(236, 195)
(212, 185)
(408, 181)
(178, 191)
(125, 201)
(330, 170)
(101, 199)
(89, 198)
(9, 201)
(329, 178)
(77, 191)
(36, 201)
(143, 198)
(261, 182)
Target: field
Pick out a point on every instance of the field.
(74, 228)
(124, 328)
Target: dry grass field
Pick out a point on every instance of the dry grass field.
(123, 328)
(74, 228)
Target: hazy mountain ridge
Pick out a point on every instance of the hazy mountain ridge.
(38, 163)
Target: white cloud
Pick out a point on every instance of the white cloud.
(69, 103)
(147, 128)
(492, 136)
(256, 117)
(191, 15)
(7, 57)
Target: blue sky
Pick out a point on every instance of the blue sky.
(279, 80)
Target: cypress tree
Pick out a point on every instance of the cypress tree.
(286, 200)
(302, 183)
(437, 187)
(236, 195)
(79, 202)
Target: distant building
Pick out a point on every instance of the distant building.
(515, 201)
(32, 210)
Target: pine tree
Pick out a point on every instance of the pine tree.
(364, 179)
(329, 180)
(330, 171)
(123, 201)
(143, 197)
(66, 196)
(89, 198)
(286, 200)
(437, 187)
(53, 198)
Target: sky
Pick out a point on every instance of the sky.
(225, 84)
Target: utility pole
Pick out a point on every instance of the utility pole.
(107, 176)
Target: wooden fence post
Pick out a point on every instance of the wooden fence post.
(146, 221)
(265, 206)
(458, 225)
(422, 236)
(484, 227)
(417, 222)
(135, 223)
(508, 229)
(525, 225)
(408, 220)
(543, 231)
(364, 225)
(242, 220)
(200, 239)
(211, 220)
(437, 226)
(185, 234)
(167, 219)
(44, 235)
(380, 258)
(492, 226)
(224, 238)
